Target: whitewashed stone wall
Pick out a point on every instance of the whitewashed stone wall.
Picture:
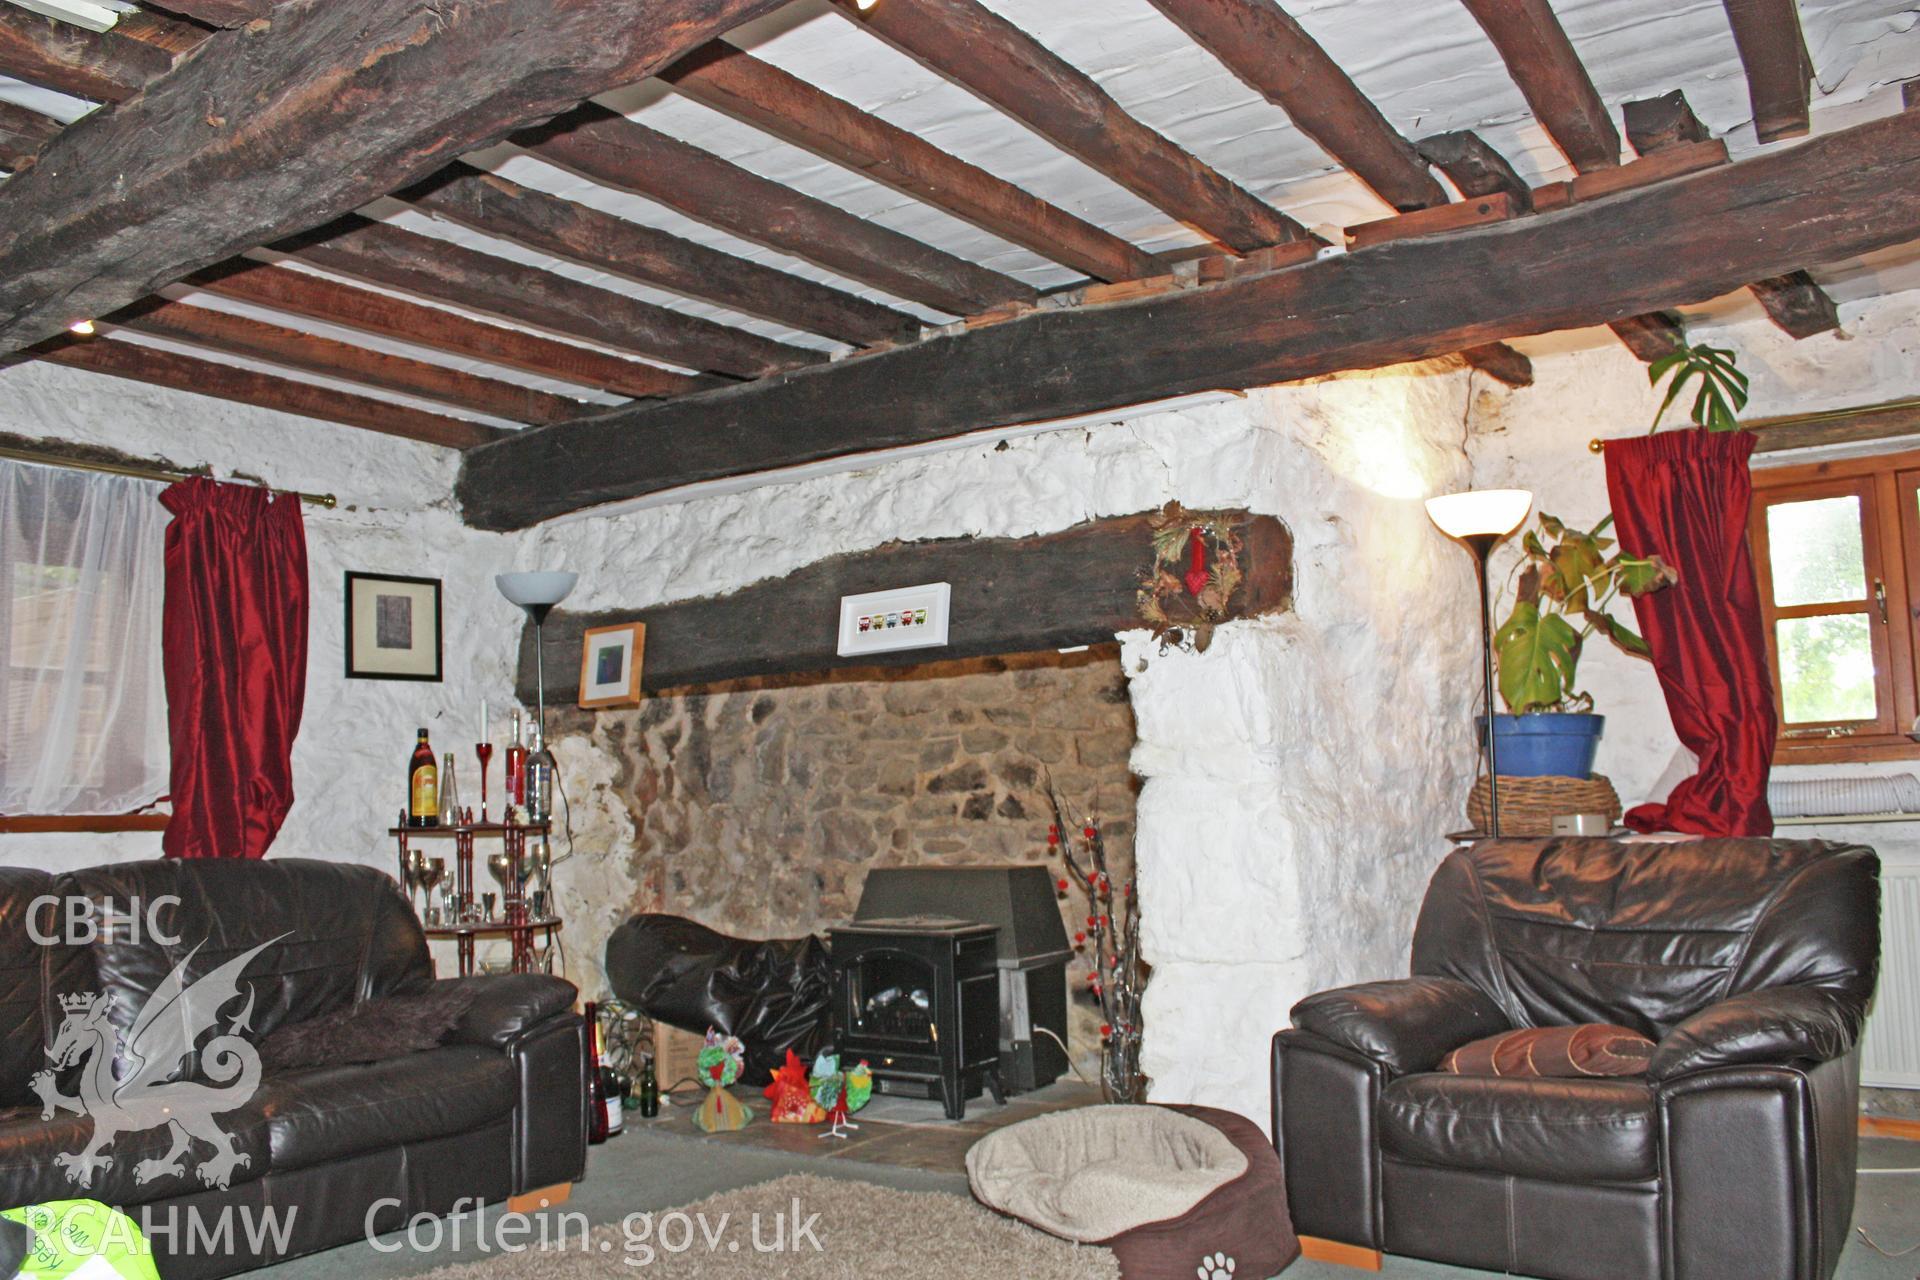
(1536, 438)
(1299, 775)
(395, 516)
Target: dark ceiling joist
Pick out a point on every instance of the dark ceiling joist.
(317, 298)
(991, 57)
(255, 339)
(730, 80)
(100, 65)
(1794, 301)
(1779, 71)
(1476, 168)
(1262, 44)
(246, 386)
(276, 127)
(396, 258)
(22, 134)
(1557, 88)
(1683, 240)
(611, 149)
(218, 13)
(499, 207)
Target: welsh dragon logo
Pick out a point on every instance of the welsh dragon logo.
(142, 1095)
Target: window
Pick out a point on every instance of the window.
(1837, 551)
(83, 712)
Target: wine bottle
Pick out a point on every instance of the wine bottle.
(596, 1087)
(539, 777)
(611, 1089)
(423, 785)
(649, 1089)
(516, 767)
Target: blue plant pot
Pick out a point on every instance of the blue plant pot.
(1546, 744)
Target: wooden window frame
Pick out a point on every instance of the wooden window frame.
(1889, 489)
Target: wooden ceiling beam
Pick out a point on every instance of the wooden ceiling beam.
(499, 207)
(318, 298)
(1474, 167)
(1551, 78)
(218, 13)
(22, 134)
(396, 258)
(611, 149)
(992, 58)
(1773, 50)
(1264, 46)
(1686, 239)
(246, 386)
(255, 339)
(1794, 301)
(102, 66)
(276, 127)
(730, 80)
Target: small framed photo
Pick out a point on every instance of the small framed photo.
(882, 621)
(393, 627)
(610, 661)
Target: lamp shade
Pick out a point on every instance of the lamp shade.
(1496, 512)
(535, 590)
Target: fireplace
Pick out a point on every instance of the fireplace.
(918, 997)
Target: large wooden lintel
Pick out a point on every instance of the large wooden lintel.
(1669, 243)
(1010, 595)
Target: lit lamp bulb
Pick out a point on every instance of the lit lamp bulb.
(866, 4)
(83, 328)
(1480, 512)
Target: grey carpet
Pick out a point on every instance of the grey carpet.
(852, 1231)
(651, 1171)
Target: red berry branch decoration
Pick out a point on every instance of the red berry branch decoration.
(1118, 975)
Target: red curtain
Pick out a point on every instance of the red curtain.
(1684, 495)
(234, 638)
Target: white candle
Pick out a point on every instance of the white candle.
(483, 720)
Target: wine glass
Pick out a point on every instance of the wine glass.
(485, 751)
(431, 872)
(417, 878)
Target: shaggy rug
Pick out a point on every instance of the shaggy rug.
(863, 1231)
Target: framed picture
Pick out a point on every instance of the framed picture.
(610, 659)
(883, 621)
(393, 627)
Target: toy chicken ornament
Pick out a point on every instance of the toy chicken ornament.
(840, 1092)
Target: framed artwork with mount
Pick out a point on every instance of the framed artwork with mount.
(610, 662)
(393, 627)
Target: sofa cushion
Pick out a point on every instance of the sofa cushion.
(335, 933)
(22, 962)
(1559, 1130)
(1590, 1049)
(31, 1148)
(328, 1112)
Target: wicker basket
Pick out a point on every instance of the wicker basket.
(1528, 806)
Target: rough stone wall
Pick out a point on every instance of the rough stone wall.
(759, 812)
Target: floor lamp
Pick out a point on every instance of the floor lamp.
(1480, 519)
(537, 593)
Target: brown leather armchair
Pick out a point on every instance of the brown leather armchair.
(1749, 962)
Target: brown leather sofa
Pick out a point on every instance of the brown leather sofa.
(1749, 962)
(498, 1109)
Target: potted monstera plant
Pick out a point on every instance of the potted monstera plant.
(1564, 588)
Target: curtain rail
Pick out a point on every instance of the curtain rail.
(147, 473)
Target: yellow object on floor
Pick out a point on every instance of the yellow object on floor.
(83, 1240)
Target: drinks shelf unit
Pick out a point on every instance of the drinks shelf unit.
(516, 923)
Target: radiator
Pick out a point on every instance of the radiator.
(1891, 1056)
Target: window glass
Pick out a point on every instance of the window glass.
(1826, 668)
(1816, 551)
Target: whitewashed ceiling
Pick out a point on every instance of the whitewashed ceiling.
(1425, 63)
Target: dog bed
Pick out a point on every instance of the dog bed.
(1175, 1191)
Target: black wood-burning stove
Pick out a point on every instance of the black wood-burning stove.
(918, 997)
(1032, 956)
